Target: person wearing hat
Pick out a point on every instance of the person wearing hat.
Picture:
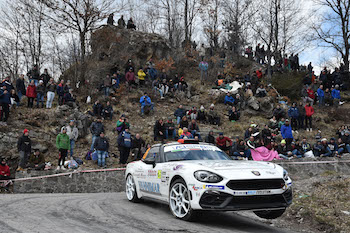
(73, 133)
(63, 145)
(24, 146)
(37, 160)
(284, 150)
(124, 144)
(40, 92)
(346, 139)
(101, 145)
(286, 132)
(323, 149)
(333, 146)
(145, 100)
(213, 116)
(122, 123)
(222, 142)
(202, 115)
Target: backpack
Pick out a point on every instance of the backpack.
(79, 161)
(88, 155)
(94, 156)
(127, 140)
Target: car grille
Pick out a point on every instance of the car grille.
(255, 184)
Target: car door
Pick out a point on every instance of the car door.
(149, 184)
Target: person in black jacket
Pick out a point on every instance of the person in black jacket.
(24, 146)
(210, 137)
(346, 139)
(40, 92)
(20, 87)
(101, 145)
(233, 114)
(107, 111)
(138, 145)
(45, 77)
(97, 109)
(96, 128)
(279, 113)
(159, 130)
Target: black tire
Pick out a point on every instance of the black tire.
(134, 198)
(191, 214)
(269, 214)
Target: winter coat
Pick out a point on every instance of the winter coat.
(311, 93)
(305, 147)
(36, 160)
(335, 94)
(124, 140)
(51, 87)
(96, 128)
(229, 99)
(309, 111)
(73, 133)
(183, 124)
(101, 144)
(210, 139)
(293, 112)
(138, 143)
(301, 110)
(193, 127)
(145, 100)
(40, 89)
(333, 146)
(20, 87)
(187, 134)
(31, 91)
(222, 141)
(283, 149)
(62, 141)
(320, 92)
(233, 116)
(24, 144)
(346, 139)
(4, 170)
(60, 90)
(130, 76)
(141, 75)
(180, 112)
(5, 98)
(203, 66)
(286, 131)
(159, 128)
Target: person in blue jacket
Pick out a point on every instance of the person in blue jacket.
(5, 101)
(229, 99)
(336, 95)
(293, 113)
(286, 132)
(145, 100)
(320, 94)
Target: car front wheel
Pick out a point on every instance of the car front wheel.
(270, 214)
(179, 200)
(130, 189)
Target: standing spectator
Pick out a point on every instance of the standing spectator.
(202, 51)
(222, 142)
(210, 137)
(110, 20)
(121, 22)
(145, 101)
(7, 83)
(124, 144)
(60, 92)
(107, 83)
(309, 110)
(97, 109)
(336, 95)
(301, 117)
(170, 129)
(73, 133)
(179, 113)
(34, 75)
(122, 124)
(320, 94)
(107, 111)
(37, 160)
(130, 78)
(45, 77)
(129, 66)
(203, 67)
(131, 24)
(138, 145)
(20, 86)
(96, 128)
(5, 101)
(31, 94)
(24, 146)
(40, 92)
(279, 113)
(159, 130)
(229, 99)
(233, 114)
(286, 132)
(141, 75)
(311, 95)
(259, 74)
(101, 146)
(63, 145)
(51, 88)
(293, 113)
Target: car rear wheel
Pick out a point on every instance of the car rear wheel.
(130, 189)
(270, 214)
(179, 200)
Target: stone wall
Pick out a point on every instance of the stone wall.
(91, 182)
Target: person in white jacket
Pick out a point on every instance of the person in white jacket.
(73, 133)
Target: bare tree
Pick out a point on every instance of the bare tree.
(191, 9)
(333, 31)
(211, 21)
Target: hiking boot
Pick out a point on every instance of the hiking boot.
(19, 169)
(58, 168)
(63, 168)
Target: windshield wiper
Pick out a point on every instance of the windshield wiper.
(175, 160)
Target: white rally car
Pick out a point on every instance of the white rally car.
(199, 176)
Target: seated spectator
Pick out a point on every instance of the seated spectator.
(238, 102)
(107, 111)
(229, 99)
(240, 150)
(249, 132)
(279, 113)
(193, 113)
(14, 98)
(145, 101)
(202, 116)
(346, 139)
(210, 137)
(248, 91)
(37, 160)
(121, 22)
(293, 113)
(159, 130)
(251, 143)
(284, 150)
(341, 147)
(333, 146)
(137, 147)
(281, 123)
(185, 134)
(122, 124)
(261, 91)
(68, 98)
(97, 108)
(131, 24)
(233, 114)
(311, 95)
(182, 84)
(184, 123)
(273, 124)
(194, 129)
(164, 87)
(305, 146)
(170, 129)
(266, 135)
(222, 142)
(213, 116)
(323, 149)
(179, 113)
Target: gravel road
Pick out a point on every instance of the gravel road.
(109, 212)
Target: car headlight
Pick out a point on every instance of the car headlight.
(285, 175)
(207, 177)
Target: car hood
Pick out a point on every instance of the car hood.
(236, 169)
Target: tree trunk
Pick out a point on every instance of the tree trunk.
(82, 46)
(186, 20)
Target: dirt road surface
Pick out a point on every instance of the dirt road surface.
(109, 212)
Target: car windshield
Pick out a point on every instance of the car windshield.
(194, 152)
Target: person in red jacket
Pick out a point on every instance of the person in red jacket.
(308, 119)
(4, 174)
(221, 142)
(310, 93)
(130, 77)
(259, 73)
(31, 94)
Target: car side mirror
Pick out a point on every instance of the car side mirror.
(150, 162)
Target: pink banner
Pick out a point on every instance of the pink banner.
(264, 154)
